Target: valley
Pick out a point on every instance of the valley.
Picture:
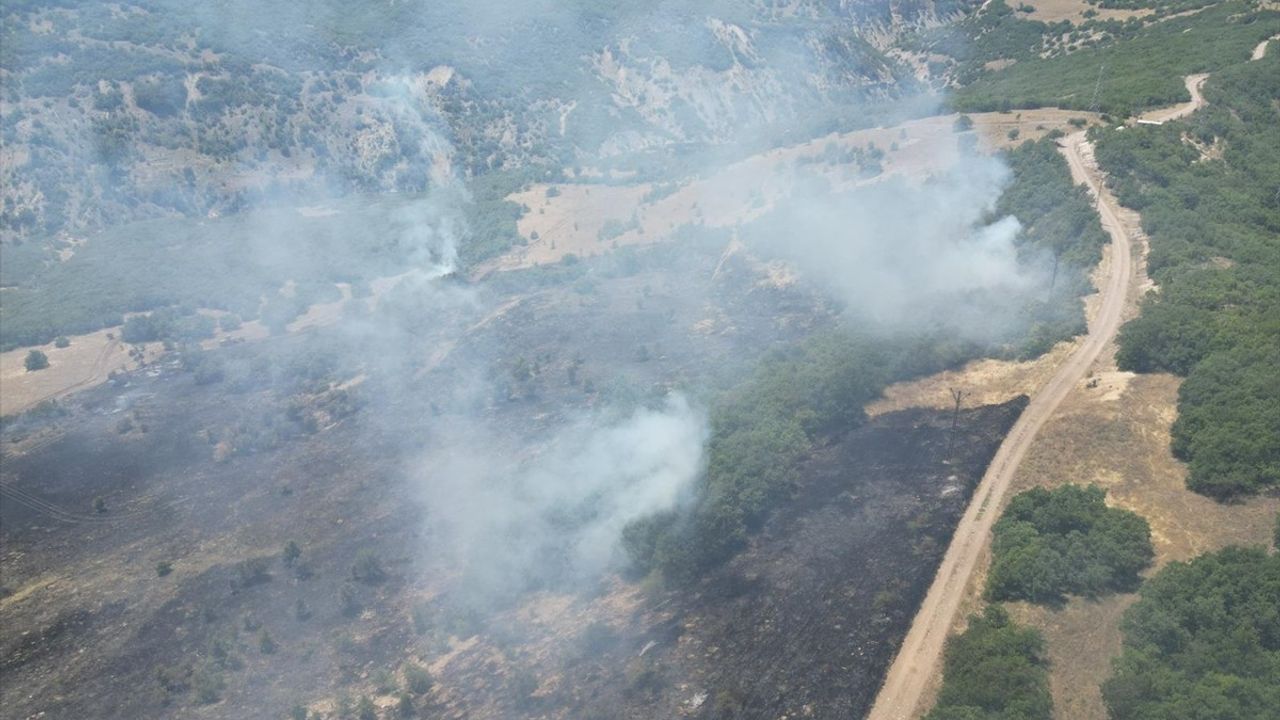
(874, 359)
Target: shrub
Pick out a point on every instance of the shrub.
(35, 360)
(62, 341)
(1066, 541)
(994, 669)
(349, 601)
(368, 568)
(164, 567)
(252, 572)
(291, 553)
(266, 644)
(417, 679)
(1203, 634)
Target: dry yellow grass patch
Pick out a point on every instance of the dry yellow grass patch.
(1073, 10)
(86, 362)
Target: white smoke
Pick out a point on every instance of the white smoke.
(557, 517)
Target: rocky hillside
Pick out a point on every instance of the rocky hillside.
(122, 111)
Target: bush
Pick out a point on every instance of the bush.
(164, 567)
(251, 572)
(1066, 541)
(994, 670)
(35, 360)
(368, 569)
(291, 553)
(62, 341)
(417, 679)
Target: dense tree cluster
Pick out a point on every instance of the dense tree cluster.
(1202, 642)
(1051, 543)
(1141, 64)
(995, 670)
(1206, 189)
(762, 430)
(1058, 219)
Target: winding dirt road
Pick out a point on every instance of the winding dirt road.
(918, 659)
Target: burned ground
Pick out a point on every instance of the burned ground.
(802, 624)
(215, 479)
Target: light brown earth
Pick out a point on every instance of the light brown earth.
(1260, 51)
(570, 221)
(1051, 11)
(88, 361)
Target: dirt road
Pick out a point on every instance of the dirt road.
(1260, 51)
(1194, 83)
(918, 658)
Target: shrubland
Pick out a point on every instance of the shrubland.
(1140, 65)
(1203, 638)
(1206, 191)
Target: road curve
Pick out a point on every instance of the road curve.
(1193, 83)
(918, 658)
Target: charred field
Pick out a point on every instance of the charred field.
(145, 523)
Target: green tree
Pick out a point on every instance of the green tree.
(994, 670)
(35, 360)
(291, 553)
(1066, 541)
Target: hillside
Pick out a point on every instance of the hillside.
(894, 359)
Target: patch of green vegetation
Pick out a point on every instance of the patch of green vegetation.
(1139, 71)
(1216, 319)
(1202, 641)
(760, 432)
(994, 670)
(1051, 543)
(997, 32)
(1057, 216)
(35, 360)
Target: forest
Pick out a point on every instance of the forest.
(1204, 638)
(1206, 190)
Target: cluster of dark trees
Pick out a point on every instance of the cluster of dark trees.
(760, 433)
(995, 670)
(1141, 64)
(1058, 219)
(1209, 204)
(1051, 543)
(1203, 641)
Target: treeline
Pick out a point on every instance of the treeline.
(1057, 218)
(1141, 67)
(1206, 189)
(1202, 641)
(994, 670)
(763, 429)
(1051, 543)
